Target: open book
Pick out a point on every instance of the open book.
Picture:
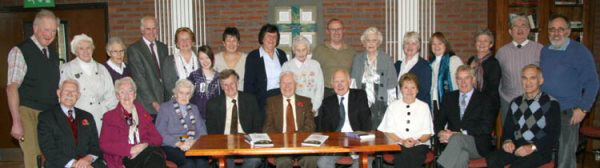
(315, 140)
(259, 140)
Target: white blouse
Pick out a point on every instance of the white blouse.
(408, 120)
(184, 69)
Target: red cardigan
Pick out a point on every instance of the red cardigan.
(115, 131)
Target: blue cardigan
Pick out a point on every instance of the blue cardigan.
(423, 72)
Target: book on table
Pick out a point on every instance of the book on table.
(315, 140)
(361, 135)
(258, 140)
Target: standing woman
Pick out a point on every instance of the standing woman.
(231, 58)
(413, 63)
(115, 48)
(205, 79)
(263, 66)
(410, 120)
(443, 65)
(182, 63)
(486, 66)
(307, 73)
(96, 85)
(373, 71)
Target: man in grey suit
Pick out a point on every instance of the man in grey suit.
(145, 56)
(68, 135)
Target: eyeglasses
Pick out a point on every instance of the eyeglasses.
(555, 30)
(116, 51)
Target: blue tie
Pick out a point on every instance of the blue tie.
(342, 115)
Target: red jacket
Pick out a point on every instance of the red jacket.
(115, 131)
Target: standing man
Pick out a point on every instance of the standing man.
(512, 57)
(532, 126)
(68, 135)
(145, 57)
(470, 118)
(346, 111)
(333, 54)
(290, 113)
(571, 77)
(234, 113)
(33, 77)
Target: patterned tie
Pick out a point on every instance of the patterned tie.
(342, 115)
(45, 51)
(463, 104)
(289, 119)
(70, 115)
(234, 119)
(154, 58)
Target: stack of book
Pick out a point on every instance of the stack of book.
(258, 140)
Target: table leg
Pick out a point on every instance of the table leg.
(363, 160)
(222, 162)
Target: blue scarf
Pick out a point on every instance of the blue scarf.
(444, 82)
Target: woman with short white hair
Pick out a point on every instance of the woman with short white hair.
(414, 63)
(373, 71)
(115, 48)
(307, 72)
(95, 83)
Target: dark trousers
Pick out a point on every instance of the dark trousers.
(151, 157)
(178, 156)
(499, 159)
(411, 157)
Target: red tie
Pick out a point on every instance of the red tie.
(234, 119)
(289, 119)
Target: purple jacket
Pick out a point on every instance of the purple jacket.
(113, 137)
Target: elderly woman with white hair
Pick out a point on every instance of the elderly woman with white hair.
(96, 85)
(180, 124)
(373, 71)
(307, 72)
(115, 48)
(414, 63)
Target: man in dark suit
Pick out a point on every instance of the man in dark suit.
(346, 111)
(470, 118)
(68, 135)
(233, 113)
(289, 113)
(145, 57)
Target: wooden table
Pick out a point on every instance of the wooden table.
(221, 146)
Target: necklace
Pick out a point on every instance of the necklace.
(183, 64)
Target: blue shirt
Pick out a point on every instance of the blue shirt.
(570, 75)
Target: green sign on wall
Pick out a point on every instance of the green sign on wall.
(38, 3)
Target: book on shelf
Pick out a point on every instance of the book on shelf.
(315, 140)
(361, 135)
(532, 21)
(258, 140)
(565, 2)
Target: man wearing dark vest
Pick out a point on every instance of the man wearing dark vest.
(32, 80)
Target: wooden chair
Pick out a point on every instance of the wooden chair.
(590, 133)
(272, 162)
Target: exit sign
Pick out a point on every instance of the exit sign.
(38, 3)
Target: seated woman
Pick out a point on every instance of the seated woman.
(128, 137)
(180, 124)
(410, 120)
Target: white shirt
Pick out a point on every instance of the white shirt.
(346, 127)
(408, 120)
(155, 50)
(272, 68)
(285, 104)
(407, 65)
(116, 67)
(185, 69)
(522, 44)
(228, 108)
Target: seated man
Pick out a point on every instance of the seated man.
(234, 113)
(470, 118)
(346, 111)
(289, 113)
(532, 125)
(68, 135)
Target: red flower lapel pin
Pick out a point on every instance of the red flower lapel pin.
(85, 122)
(299, 104)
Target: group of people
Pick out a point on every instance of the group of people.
(144, 106)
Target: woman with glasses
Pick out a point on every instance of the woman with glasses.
(115, 48)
